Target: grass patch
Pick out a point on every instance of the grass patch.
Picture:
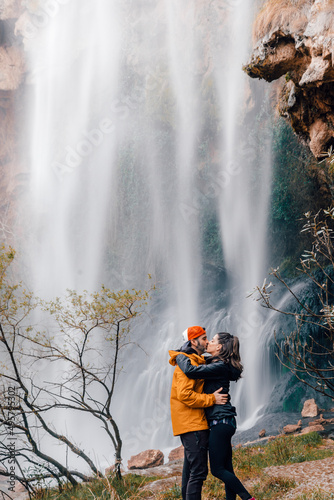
(282, 451)
(108, 488)
(174, 493)
(269, 488)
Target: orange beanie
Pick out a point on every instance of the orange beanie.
(195, 331)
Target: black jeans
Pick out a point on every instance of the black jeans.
(195, 466)
(220, 454)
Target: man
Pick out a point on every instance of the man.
(188, 418)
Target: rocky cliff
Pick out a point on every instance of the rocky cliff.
(294, 39)
(12, 70)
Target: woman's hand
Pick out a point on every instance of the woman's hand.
(221, 399)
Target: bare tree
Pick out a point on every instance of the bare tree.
(75, 370)
(308, 351)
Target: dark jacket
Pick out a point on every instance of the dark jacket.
(215, 374)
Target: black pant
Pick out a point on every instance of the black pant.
(195, 466)
(220, 454)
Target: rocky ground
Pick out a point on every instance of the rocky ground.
(307, 475)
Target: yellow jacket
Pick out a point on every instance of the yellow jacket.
(187, 401)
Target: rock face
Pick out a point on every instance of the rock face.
(310, 409)
(295, 39)
(10, 9)
(176, 454)
(146, 459)
(12, 74)
(12, 68)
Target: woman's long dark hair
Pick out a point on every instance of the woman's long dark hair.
(229, 352)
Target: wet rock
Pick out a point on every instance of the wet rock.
(146, 459)
(310, 409)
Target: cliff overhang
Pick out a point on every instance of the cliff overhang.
(294, 39)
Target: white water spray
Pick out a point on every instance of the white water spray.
(135, 127)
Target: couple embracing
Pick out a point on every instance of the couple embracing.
(202, 414)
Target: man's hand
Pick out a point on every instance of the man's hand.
(221, 399)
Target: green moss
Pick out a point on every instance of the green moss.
(293, 402)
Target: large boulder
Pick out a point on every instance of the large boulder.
(146, 459)
(176, 454)
(310, 408)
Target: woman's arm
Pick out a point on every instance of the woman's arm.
(211, 371)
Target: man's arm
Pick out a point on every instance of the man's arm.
(188, 396)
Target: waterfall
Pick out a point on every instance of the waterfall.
(135, 139)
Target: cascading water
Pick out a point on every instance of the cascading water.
(135, 131)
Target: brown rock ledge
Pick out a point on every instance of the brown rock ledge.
(295, 39)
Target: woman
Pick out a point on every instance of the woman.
(224, 366)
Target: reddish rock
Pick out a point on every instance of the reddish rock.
(146, 459)
(321, 420)
(19, 488)
(312, 428)
(317, 422)
(310, 408)
(271, 438)
(10, 9)
(176, 454)
(297, 41)
(12, 68)
(320, 133)
(262, 433)
(289, 429)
